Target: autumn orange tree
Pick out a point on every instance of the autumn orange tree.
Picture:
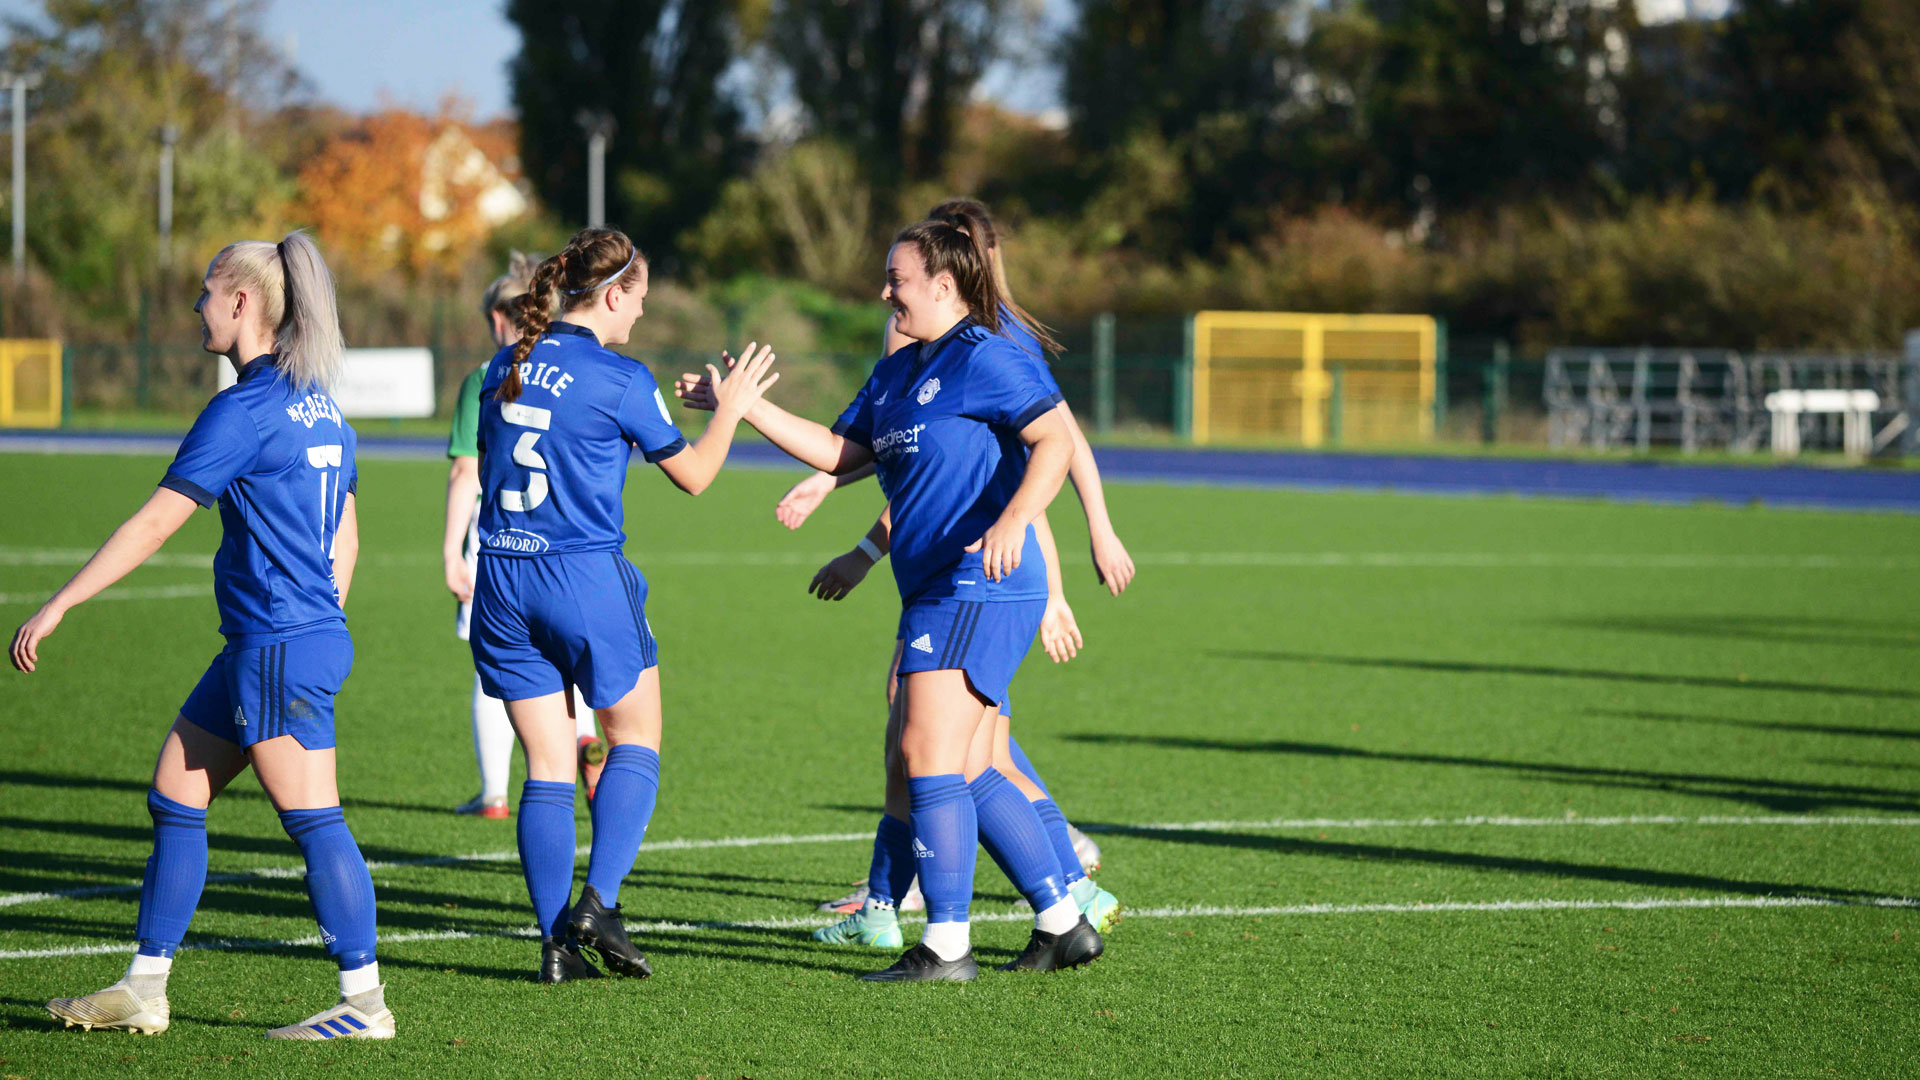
(408, 192)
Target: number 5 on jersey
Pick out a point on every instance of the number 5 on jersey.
(524, 454)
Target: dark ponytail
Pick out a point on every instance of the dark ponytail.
(593, 260)
(946, 248)
(971, 214)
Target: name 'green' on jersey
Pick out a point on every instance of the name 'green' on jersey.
(279, 462)
(553, 464)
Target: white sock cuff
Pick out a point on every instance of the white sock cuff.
(149, 965)
(1061, 917)
(949, 940)
(359, 980)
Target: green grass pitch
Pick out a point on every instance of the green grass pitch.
(1386, 681)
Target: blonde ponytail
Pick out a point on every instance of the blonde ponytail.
(295, 290)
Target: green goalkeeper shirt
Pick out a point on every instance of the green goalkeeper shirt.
(464, 439)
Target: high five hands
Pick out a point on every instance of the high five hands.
(696, 389)
(742, 388)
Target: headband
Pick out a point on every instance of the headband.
(609, 279)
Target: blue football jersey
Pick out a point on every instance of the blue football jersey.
(943, 419)
(553, 464)
(279, 462)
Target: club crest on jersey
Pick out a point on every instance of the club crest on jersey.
(927, 390)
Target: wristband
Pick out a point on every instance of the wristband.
(872, 549)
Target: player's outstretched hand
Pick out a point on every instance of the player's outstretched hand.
(746, 382)
(1000, 548)
(695, 388)
(459, 579)
(1059, 633)
(841, 576)
(803, 498)
(1111, 563)
(26, 640)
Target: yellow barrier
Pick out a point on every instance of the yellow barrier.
(30, 392)
(1262, 375)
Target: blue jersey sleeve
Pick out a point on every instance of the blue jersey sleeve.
(1003, 387)
(222, 447)
(856, 420)
(644, 419)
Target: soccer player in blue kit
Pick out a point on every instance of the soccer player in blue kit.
(460, 556)
(970, 451)
(556, 603)
(871, 910)
(273, 453)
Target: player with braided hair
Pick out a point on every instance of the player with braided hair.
(555, 601)
(460, 555)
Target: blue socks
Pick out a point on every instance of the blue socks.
(891, 874)
(622, 806)
(1026, 767)
(176, 872)
(945, 833)
(1014, 836)
(1062, 841)
(1050, 815)
(547, 840)
(337, 883)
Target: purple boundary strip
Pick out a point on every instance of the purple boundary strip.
(1773, 485)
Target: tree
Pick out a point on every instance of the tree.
(401, 190)
(116, 71)
(656, 68)
(887, 77)
(1477, 104)
(1180, 107)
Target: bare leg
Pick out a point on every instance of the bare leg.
(195, 765)
(1003, 758)
(546, 733)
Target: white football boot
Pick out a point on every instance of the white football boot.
(343, 1021)
(117, 1008)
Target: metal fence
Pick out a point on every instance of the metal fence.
(1125, 378)
(1696, 399)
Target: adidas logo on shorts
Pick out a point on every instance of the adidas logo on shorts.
(924, 643)
(239, 718)
(920, 850)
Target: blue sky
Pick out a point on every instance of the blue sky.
(361, 54)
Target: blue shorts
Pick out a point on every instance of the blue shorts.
(986, 640)
(252, 695)
(544, 622)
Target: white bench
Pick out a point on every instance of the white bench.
(1856, 405)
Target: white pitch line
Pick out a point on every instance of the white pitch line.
(1495, 821)
(272, 872)
(1190, 912)
(121, 592)
(15, 556)
(787, 839)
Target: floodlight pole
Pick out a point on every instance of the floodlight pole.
(169, 135)
(598, 126)
(19, 83)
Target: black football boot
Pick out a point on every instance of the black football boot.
(560, 961)
(921, 964)
(598, 928)
(1054, 952)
